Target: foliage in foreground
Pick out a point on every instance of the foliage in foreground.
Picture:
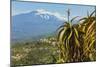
(77, 41)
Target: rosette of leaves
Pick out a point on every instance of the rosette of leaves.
(89, 38)
(76, 42)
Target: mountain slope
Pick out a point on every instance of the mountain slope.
(34, 24)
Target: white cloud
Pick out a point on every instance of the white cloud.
(42, 11)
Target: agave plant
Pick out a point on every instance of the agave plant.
(77, 41)
(66, 33)
(89, 38)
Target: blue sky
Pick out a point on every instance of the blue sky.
(76, 10)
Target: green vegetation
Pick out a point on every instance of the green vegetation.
(77, 42)
(43, 51)
(74, 43)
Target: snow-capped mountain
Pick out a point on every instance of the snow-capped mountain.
(35, 23)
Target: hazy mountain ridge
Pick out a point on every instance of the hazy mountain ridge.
(34, 24)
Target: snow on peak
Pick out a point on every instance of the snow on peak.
(42, 12)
